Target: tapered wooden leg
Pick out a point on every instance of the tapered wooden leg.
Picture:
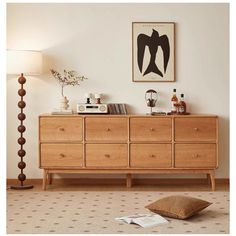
(212, 176)
(45, 175)
(50, 178)
(128, 180)
(208, 179)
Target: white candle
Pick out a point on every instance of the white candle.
(87, 95)
(97, 95)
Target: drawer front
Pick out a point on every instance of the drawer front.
(61, 155)
(106, 155)
(195, 129)
(60, 129)
(150, 155)
(106, 129)
(150, 129)
(195, 155)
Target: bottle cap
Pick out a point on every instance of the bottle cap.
(174, 90)
(182, 95)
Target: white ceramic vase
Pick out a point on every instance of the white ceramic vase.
(64, 103)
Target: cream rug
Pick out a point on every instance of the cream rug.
(90, 212)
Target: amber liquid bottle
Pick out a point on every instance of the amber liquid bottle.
(182, 105)
(174, 101)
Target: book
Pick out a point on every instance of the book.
(61, 112)
(144, 220)
(117, 108)
(111, 108)
(123, 108)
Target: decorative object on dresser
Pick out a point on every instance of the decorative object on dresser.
(70, 77)
(153, 52)
(29, 62)
(128, 144)
(93, 105)
(92, 108)
(88, 97)
(98, 97)
(174, 102)
(151, 99)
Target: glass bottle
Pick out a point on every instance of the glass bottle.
(182, 105)
(174, 101)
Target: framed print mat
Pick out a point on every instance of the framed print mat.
(153, 52)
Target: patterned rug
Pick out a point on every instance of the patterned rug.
(94, 212)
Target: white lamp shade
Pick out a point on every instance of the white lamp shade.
(22, 61)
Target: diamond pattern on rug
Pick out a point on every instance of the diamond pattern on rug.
(94, 212)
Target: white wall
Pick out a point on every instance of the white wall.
(95, 40)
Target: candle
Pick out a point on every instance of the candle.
(97, 95)
(87, 95)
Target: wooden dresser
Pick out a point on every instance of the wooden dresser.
(128, 144)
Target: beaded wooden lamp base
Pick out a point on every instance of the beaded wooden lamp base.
(21, 140)
(21, 187)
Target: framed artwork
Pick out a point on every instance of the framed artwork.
(153, 51)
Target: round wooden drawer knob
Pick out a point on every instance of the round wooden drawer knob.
(61, 129)
(195, 156)
(107, 156)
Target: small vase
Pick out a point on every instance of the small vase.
(64, 103)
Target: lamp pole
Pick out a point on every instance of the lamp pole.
(21, 140)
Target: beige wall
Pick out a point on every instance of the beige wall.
(95, 40)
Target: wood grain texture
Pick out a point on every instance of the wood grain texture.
(195, 155)
(106, 155)
(129, 144)
(195, 129)
(61, 155)
(106, 129)
(60, 129)
(150, 129)
(150, 155)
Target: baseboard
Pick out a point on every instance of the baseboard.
(112, 181)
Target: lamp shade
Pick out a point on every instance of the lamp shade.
(24, 61)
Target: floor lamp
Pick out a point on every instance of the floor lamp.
(22, 62)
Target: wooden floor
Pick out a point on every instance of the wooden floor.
(119, 185)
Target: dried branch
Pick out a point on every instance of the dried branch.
(70, 77)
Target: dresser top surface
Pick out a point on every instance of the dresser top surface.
(128, 115)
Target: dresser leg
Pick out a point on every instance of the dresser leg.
(45, 175)
(212, 176)
(50, 178)
(128, 180)
(208, 178)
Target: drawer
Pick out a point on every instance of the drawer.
(106, 129)
(150, 155)
(60, 129)
(150, 129)
(195, 129)
(61, 155)
(195, 155)
(106, 155)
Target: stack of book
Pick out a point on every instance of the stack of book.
(117, 108)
